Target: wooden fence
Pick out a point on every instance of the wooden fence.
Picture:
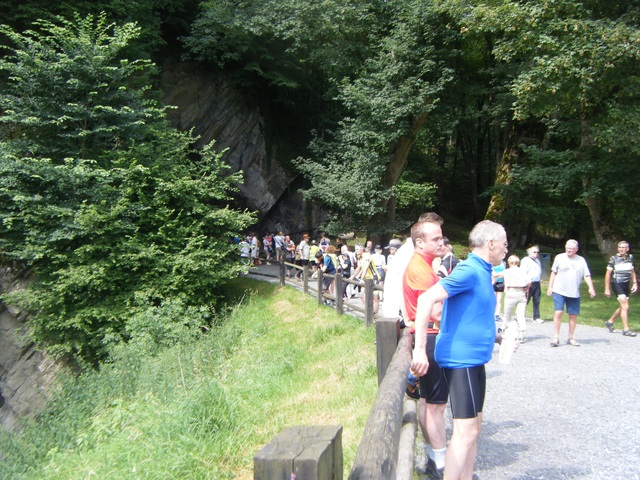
(387, 445)
(314, 285)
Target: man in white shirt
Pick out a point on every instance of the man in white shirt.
(567, 273)
(533, 269)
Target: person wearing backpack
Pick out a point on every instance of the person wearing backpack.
(366, 269)
(327, 265)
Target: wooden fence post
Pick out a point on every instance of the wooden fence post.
(319, 286)
(387, 335)
(281, 273)
(305, 279)
(337, 290)
(368, 306)
(310, 452)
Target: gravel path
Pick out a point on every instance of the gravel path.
(562, 413)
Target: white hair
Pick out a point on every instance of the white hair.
(571, 243)
(485, 231)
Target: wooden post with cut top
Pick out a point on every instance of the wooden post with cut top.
(308, 452)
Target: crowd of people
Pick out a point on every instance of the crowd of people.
(365, 261)
(455, 311)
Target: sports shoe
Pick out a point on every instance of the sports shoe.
(539, 320)
(555, 342)
(609, 325)
(573, 343)
(628, 333)
(433, 471)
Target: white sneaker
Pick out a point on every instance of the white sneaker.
(539, 320)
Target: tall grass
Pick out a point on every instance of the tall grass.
(203, 408)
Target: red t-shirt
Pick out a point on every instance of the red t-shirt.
(418, 278)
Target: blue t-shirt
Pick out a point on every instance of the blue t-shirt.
(467, 329)
(498, 269)
(331, 268)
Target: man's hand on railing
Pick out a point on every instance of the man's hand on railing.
(420, 362)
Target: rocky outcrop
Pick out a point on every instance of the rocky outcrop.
(217, 111)
(26, 374)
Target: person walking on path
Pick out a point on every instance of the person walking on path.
(533, 269)
(289, 252)
(465, 342)
(278, 243)
(516, 284)
(567, 273)
(624, 282)
(498, 287)
(418, 277)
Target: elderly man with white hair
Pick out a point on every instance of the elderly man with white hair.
(567, 272)
(465, 342)
(533, 268)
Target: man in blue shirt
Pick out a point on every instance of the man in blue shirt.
(465, 342)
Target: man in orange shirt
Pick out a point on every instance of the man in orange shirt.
(419, 276)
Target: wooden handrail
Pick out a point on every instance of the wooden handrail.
(377, 456)
(368, 284)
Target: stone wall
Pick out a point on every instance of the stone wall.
(216, 110)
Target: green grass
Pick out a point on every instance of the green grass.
(201, 410)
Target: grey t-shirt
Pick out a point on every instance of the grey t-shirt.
(569, 274)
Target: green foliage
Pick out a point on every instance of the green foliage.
(204, 406)
(352, 171)
(159, 20)
(581, 81)
(111, 206)
(416, 198)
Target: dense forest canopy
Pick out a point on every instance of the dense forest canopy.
(524, 111)
(521, 111)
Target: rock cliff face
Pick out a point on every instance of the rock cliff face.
(26, 374)
(216, 110)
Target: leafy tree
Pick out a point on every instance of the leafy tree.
(160, 21)
(578, 78)
(106, 202)
(288, 55)
(354, 171)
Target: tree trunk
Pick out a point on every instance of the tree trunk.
(396, 166)
(603, 226)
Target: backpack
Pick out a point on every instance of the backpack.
(334, 261)
(374, 271)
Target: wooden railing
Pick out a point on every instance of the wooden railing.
(314, 285)
(387, 445)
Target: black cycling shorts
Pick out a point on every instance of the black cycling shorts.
(620, 288)
(467, 388)
(433, 385)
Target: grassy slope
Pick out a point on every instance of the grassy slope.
(204, 410)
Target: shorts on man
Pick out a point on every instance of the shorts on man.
(621, 289)
(572, 304)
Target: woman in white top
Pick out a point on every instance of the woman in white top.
(516, 283)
